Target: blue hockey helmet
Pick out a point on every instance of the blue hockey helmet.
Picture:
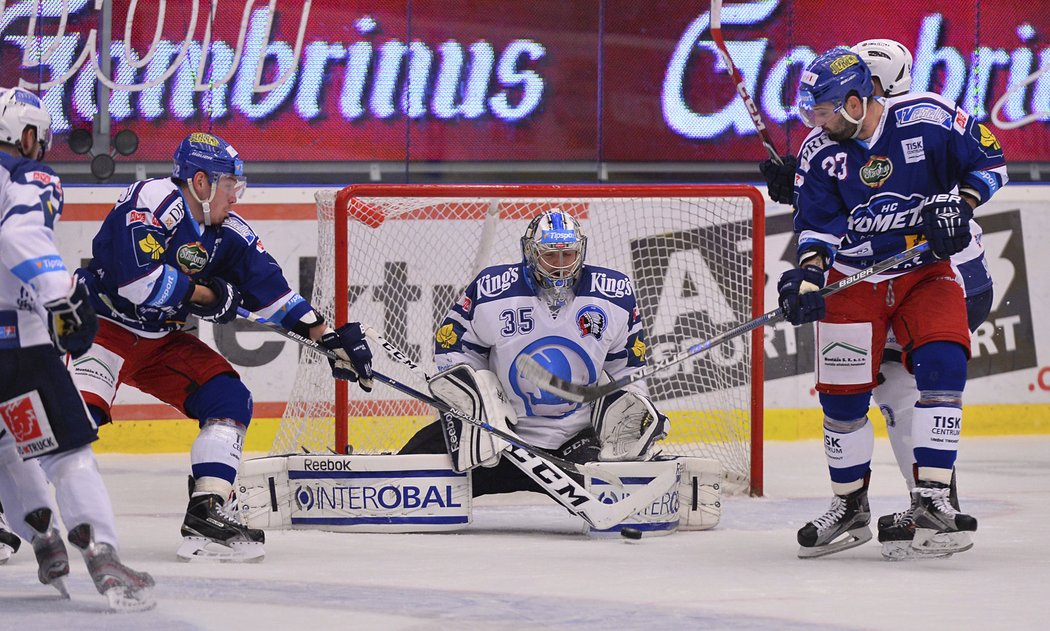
(204, 152)
(831, 78)
(553, 249)
(20, 108)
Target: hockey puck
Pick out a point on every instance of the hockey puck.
(631, 533)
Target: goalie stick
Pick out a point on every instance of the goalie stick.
(531, 370)
(738, 81)
(547, 470)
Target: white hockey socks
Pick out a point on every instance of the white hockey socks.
(848, 446)
(23, 487)
(935, 434)
(896, 398)
(216, 455)
(79, 492)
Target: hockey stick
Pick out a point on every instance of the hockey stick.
(738, 82)
(531, 370)
(544, 468)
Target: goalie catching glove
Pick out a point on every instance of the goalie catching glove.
(71, 322)
(627, 425)
(477, 394)
(353, 357)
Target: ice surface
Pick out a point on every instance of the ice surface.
(526, 564)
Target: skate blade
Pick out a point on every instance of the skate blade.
(902, 551)
(851, 539)
(5, 553)
(123, 600)
(195, 549)
(59, 583)
(929, 542)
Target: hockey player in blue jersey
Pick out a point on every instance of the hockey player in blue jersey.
(874, 178)
(890, 63)
(581, 321)
(45, 314)
(172, 247)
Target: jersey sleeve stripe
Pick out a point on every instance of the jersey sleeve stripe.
(29, 269)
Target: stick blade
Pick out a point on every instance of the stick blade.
(534, 373)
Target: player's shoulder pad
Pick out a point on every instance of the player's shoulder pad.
(920, 108)
(26, 171)
(498, 282)
(156, 202)
(236, 224)
(816, 142)
(610, 284)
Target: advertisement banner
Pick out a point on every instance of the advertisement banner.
(548, 80)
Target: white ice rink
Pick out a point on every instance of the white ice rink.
(527, 565)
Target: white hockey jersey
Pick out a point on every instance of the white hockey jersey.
(32, 273)
(499, 317)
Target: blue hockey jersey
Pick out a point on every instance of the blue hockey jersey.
(860, 201)
(150, 250)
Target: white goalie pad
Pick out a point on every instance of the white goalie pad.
(700, 492)
(478, 394)
(359, 493)
(627, 425)
(661, 517)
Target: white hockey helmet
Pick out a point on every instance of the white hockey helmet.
(20, 108)
(889, 62)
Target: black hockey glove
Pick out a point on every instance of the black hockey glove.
(946, 223)
(227, 300)
(72, 322)
(800, 296)
(354, 361)
(780, 178)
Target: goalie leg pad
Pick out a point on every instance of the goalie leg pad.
(358, 493)
(661, 517)
(478, 394)
(627, 425)
(701, 493)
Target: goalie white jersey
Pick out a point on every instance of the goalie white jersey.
(499, 317)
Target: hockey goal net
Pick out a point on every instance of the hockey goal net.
(397, 256)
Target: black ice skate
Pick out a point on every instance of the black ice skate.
(124, 588)
(934, 526)
(844, 526)
(897, 530)
(51, 556)
(9, 541)
(210, 533)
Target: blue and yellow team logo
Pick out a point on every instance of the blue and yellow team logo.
(449, 337)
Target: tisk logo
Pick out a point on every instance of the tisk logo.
(304, 498)
(877, 170)
(151, 246)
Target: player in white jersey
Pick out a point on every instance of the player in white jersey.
(890, 63)
(45, 314)
(581, 322)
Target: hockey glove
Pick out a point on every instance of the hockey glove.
(72, 322)
(354, 361)
(627, 425)
(224, 309)
(800, 297)
(780, 178)
(946, 222)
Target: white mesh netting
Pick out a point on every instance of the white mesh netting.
(690, 258)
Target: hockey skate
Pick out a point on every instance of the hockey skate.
(51, 556)
(210, 533)
(9, 541)
(844, 526)
(896, 531)
(124, 588)
(932, 525)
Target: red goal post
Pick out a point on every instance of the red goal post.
(401, 254)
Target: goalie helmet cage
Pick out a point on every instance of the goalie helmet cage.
(400, 255)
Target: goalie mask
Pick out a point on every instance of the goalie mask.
(826, 84)
(19, 109)
(553, 249)
(217, 159)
